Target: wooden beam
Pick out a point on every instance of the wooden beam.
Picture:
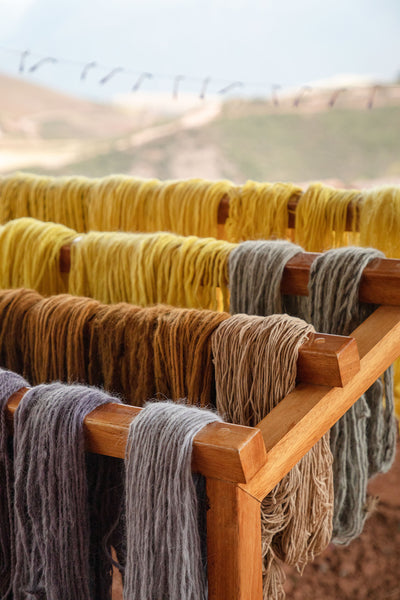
(222, 450)
(234, 558)
(223, 213)
(302, 417)
(380, 281)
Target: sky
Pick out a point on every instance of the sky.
(243, 46)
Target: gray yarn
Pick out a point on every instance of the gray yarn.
(255, 274)
(363, 441)
(164, 558)
(9, 384)
(52, 526)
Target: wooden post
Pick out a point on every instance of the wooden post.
(233, 543)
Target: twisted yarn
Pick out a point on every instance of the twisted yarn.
(255, 275)
(164, 553)
(363, 441)
(30, 255)
(52, 524)
(260, 210)
(255, 367)
(9, 384)
(146, 269)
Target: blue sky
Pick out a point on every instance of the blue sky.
(284, 42)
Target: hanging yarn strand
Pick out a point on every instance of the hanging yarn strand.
(9, 384)
(255, 367)
(363, 440)
(52, 524)
(164, 546)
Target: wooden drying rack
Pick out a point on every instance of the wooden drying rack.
(243, 464)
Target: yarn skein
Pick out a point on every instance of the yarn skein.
(52, 526)
(147, 269)
(30, 255)
(321, 217)
(255, 275)
(255, 367)
(164, 557)
(9, 384)
(260, 210)
(363, 441)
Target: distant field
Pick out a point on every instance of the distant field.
(55, 134)
(339, 144)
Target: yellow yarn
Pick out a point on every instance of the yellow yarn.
(60, 200)
(380, 220)
(147, 269)
(321, 217)
(183, 207)
(260, 211)
(380, 228)
(30, 255)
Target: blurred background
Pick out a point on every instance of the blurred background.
(291, 91)
(245, 89)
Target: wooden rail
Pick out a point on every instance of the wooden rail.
(243, 464)
(323, 357)
(380, 281)
(351, 216)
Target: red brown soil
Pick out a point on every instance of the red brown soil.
(369, 568)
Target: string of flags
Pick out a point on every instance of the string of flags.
(29, 62)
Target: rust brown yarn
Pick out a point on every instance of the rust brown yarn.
(182, 354)
(136, 353)
(14, 305)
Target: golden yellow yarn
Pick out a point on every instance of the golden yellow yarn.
(60, 200)
(183, 207)
(321, 218)
(260, 211)
(147, 269)
(30, 255)
(380, 220)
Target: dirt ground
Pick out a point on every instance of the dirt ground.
(367, 569)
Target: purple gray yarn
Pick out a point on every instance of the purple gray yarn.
(9, 384)
(52, 522)
(363, 441)
(164, 557)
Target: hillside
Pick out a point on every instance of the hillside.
(237, 140)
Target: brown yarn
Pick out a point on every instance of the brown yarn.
(136, 353)
(123, 346)
(255, 367)
(14, 305)
(183, 358)
(56, 334)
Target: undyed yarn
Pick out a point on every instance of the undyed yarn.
(164, 554)
(52, 524)
(9, 384)
(255, 367)
(363, 441)
(30, 255)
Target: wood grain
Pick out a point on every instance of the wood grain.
(233, 543)
(303, 416)
(222, 450)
